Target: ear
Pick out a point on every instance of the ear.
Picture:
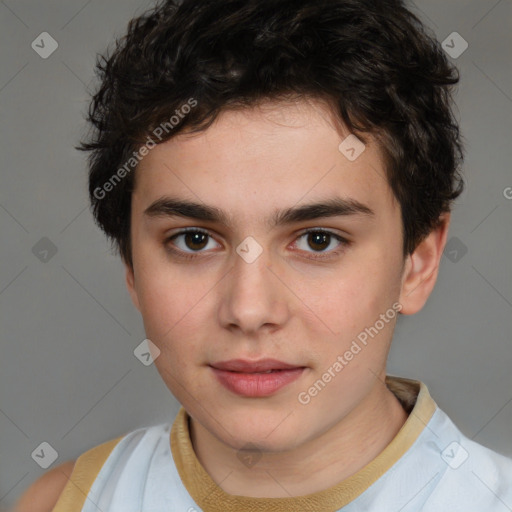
(130, 284)
(421, 268)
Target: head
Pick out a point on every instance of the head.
(241, 108)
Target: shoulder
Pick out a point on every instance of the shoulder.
(468, 475)
(43, 494)
(54, 489)
(475, 478)
(458, 450)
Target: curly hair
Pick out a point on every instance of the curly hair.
(372, 61)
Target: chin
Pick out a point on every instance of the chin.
(262, 443)
(266, 431)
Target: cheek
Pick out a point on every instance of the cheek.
(163, 300)
(164, 291)
(349, 305)
(168, 319)
(176, 307)
(160, 306)
(348, 301)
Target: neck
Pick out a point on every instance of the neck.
(314, 466)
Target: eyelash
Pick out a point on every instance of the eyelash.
(188, 256)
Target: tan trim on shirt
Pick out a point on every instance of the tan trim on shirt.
(85, 471)
(415, 399)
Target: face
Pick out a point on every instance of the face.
(232, 288)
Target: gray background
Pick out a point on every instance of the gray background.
(68, 375)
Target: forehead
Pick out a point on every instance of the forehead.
(252, 161)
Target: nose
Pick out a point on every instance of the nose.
(253, 295)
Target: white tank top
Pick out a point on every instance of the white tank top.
(140, 475)
(430, 466)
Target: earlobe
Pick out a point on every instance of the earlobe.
(130, 284)
(421, 268)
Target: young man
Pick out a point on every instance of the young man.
(278, 175)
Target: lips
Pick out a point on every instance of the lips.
(243, 366)
(255, 378)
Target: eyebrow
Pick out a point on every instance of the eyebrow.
(333, 207)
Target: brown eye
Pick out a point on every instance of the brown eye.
(318, 240)
(189, 241)
(195, 240)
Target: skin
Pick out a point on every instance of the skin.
(42, 495)
(284, 305)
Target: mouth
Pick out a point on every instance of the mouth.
(256, 378)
